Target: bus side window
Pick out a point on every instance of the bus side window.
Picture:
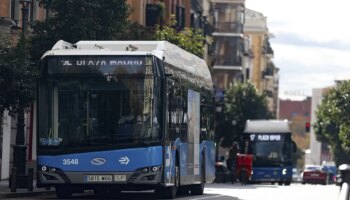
(175, 111)
(207, 118)
(204, 120)
(170, 97)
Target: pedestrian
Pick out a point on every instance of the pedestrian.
(231, 161)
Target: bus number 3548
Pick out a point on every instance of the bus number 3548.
(70, 161)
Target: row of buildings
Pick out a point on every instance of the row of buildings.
(237, 49)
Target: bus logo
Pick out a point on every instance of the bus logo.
(98, 161)
(252, 137)
(124, 160)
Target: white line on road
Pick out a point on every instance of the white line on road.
(207, 197)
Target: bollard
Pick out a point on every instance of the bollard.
(344, 192)
(13, 179)
(344, 181)
(30, 179)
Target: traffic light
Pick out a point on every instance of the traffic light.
(307, 127)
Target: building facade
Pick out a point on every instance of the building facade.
(149, 13)
(263, 74)
(319, 152)
(228, 54)
(290, 109)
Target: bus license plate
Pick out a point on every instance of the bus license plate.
(120, 178)
(99, 178)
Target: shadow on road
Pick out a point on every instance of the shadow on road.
(149, 195)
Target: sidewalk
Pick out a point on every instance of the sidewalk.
(5, 191)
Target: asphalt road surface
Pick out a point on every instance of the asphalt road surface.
(236, 192)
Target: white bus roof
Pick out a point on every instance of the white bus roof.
(267, 126)
(172, 54)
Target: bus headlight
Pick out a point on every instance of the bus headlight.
(43, 168)
(284, 171)
(155, 168)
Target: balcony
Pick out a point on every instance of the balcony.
(270, 72)
(269, 93)
(228, 53)
(267, 49)
(229, 27)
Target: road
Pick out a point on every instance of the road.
(238, 192)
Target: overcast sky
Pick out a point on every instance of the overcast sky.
(311, 44)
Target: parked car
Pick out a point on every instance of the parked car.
(315, 175)
(296, 176)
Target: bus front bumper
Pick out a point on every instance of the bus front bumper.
(144, 176)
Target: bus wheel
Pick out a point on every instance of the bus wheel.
(170, 192)
(287, 183)
(199, 188)
(63, 192)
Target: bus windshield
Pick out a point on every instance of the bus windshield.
(98, 111)
(272, 152)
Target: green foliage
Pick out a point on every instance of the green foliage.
(189, 39)
(17, 75)
(73, 20)
(242, 102)
(332, 125)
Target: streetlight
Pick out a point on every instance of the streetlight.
(25, 7)
(19, 178)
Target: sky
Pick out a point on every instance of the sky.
(311, 42)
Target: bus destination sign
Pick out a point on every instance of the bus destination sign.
(265, 137)
(95, 64)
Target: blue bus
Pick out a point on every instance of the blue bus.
(270, 143)
(124, 115)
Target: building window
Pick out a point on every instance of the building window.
(13, 9)
(31, 11)
(180, 17)
(155, 14)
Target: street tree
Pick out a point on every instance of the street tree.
(332, 123)
(17, 75)
(242, 102)
(189, 39)
(17, 90)
(73, 21)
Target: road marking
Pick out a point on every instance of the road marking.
(208, 197)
